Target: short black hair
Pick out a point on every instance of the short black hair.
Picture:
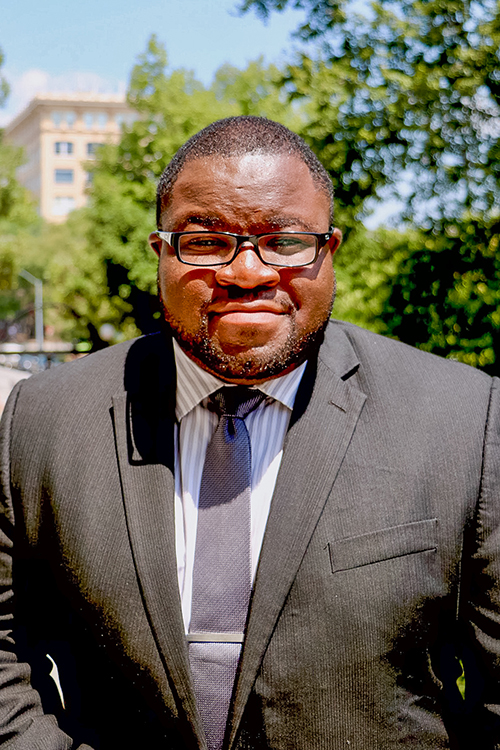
(237, 136)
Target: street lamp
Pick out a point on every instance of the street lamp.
(38, 284)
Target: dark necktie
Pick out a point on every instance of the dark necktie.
(222, 578)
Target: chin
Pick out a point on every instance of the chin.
(250, 363)
(253, 364)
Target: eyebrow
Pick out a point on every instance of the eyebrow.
(205, 221)
(282, 222)
(276, 222)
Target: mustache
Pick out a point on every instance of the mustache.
(259, 294)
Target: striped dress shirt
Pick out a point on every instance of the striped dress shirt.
(267, 426)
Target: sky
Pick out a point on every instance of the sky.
(51, 45)
(64, 47)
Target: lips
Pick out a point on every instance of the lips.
(246, 310)
(239, 322)
(251, 307)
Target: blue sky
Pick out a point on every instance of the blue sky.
(50, 45)
(56, 46)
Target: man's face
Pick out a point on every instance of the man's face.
(246, 322)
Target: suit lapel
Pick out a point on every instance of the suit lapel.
(325, 415)
(144, 432)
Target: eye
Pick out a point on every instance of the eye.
(287, 244)
(205, 242)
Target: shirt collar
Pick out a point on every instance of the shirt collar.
(195, 384)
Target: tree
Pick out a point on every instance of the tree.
(445, 296)
(404, 86)
(172, 105)
(365, 267)
(4, 86)
(18, 219)
(17, 209)
(404, 99)
(97, 267)
(437, 290)
(256, 90)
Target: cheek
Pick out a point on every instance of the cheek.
(312, 293)
(184, 290)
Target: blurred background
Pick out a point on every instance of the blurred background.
(400, 101)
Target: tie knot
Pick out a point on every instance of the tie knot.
(236, 402)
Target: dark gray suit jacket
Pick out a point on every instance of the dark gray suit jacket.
(379, 568)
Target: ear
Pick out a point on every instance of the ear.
(335, 240)
(155, 242)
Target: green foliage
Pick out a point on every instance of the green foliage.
(18, 218)
(97, 267)
(409, 86)
(408, 93)
(445, 297)
(17, 209)
(4, 86)
(52, 253)
(77, 296)
(438, 290)
(172, 106)
(257, 90)
(356, 145)
(365, 266)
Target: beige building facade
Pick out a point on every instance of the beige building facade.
(60, 134)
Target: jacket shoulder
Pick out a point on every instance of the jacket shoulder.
(383, 355)
(92, 380)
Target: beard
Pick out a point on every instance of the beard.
(257, 364)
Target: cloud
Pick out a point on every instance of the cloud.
(24, 86)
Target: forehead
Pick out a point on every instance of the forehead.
(248, 191)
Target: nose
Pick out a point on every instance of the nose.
(247, 270)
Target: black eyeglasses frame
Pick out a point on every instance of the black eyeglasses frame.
(172, 239)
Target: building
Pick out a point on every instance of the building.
(59, 134)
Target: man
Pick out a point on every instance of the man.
(367, 513)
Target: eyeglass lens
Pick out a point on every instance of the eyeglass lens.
(283, 249)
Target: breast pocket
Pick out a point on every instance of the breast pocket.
(385, 544)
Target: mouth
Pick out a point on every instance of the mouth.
(248, 322)
(248, 307)
(246, 314)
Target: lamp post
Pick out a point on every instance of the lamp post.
(38, 284)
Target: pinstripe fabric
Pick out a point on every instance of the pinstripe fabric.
(267, 426)
(362, 603)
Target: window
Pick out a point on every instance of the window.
(63, 147)
(119, 119)
(92, 147)
(59, 119)
(62, 205)
(63, 176)
(95, 119)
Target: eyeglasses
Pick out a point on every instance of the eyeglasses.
(284, 249)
